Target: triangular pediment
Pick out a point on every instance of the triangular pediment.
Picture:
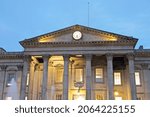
(88, 35)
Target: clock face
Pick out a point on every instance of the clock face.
(77, 35)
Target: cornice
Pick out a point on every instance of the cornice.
(77, 43)
(142, 53)
(12, 55)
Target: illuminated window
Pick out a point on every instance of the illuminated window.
(79, 97)
(58, 96)
(79, 75)
(8, 98)
(26, 97)
(9, 79)
(139, 98)
(137, 78)
(99, 97)
(99, 74)
(117, 78)
(27, 83)
(59, 75)
(118, 98)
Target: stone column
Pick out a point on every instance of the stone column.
(45, 77)
(31, 80)
(146, 77)
(2, 81)
(26, 65)
(110, 80)
(65, 78)
(19, 77)
(132, 84)
(88, 76)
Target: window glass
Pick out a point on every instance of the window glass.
(9, 79)
(59, 75)
(79, 75)
(137, 78)
(27, 83)
(99, 74)
(58, 96)
(118, 98)
(79, 97)
(117, 78)
(99, 97)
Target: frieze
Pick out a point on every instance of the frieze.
(12, 55)
(77, 43)
(142, 53)
(145, 66)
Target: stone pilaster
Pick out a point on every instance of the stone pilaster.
(26, 64)
(65, 78)
(110, 81)
(88, 76)
(45, 77)
(2, 80)
(146, 75)
(132, 84)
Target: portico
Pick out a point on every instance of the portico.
(77, 62)
(65, 91)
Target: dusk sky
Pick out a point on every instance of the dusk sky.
(22, 19)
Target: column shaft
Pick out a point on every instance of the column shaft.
(88, 77)
(132, 77)
(31, 80)
(24, 77)
(65, 78)
(110, 83)
(45, 76)
(2, 81)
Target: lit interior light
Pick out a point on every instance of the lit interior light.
(8, 98)
(80, 98)
(113, 39)
(116, 93)
(79, 55)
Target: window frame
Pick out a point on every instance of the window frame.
(121, 98)
(75, 79)
(58, 95)
(75, 96)
(10, 73)
(139, 79)
(120, 78)
(59, 82)
(102, 75)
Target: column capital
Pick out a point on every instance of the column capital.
(27, 58)
(88, 56)
(46, 57)
(20, 67)
(130, 56)
(109, 56)
(66, 57)
(3, 67)
(145, 66)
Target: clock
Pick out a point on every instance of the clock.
(77, 35)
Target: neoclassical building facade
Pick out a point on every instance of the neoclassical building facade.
(75, 63)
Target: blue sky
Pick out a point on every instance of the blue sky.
(21, 19)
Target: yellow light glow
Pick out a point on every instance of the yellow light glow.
(80, 98)
(46, 39)
(111, 39)
(79, 55)
(116, 93)
(118, 98)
